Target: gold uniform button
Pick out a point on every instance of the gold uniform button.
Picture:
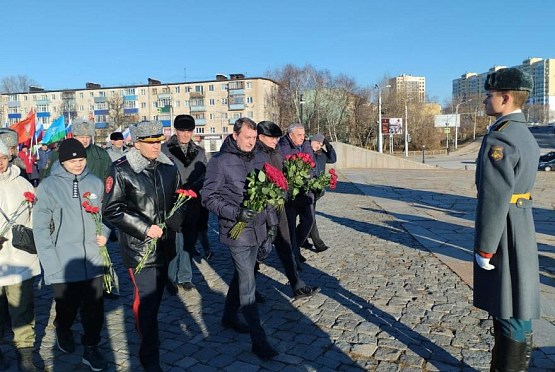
(520, 202)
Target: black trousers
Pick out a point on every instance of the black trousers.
(149, 286)
(85, 297)
(301, 207)
(285, 253)
(314, 233)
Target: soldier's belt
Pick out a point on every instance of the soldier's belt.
(515, 197)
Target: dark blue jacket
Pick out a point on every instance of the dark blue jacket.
(43, 158)
(286, 147)
(224, 191)
(324, 156)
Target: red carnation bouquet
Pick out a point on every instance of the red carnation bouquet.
(265, 186)
(106, 261)
(26, 204)
(296, 168)
(322, 181)
(182, 197)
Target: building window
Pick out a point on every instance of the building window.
(225, 130)
(91, 94)
(199, 89)
(211, 88)
(224, 101)
(143, 118)
(224, 115)
(112, 93)
(249, 85)
(100, 118)
(25, 98)
(250, 114)
(177, 103)
(44, 97)
(81, 108)
(43, 120)
(53, 97)
(143, 92)
(187, 103)
(81, 95)
(188, 89)
(165, 90)
(177, 89)
(12, 97)
(42, 108)
(212, 130)
(102, 94)
(249, 99)
(155, 104)
(129, 104)
(212, 116)
(211, 102)
(102, 106)
(199, 115)
(155, 117)
(91, 107)
(199, 130)
(224, 87)
(12, 110)
(143, 104)
(154, 91)
(130, 91)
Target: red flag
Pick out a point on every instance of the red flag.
(25, 128)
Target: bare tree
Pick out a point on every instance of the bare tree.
(117, 115)
(16, 84)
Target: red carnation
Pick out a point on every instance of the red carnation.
(87, 195)
(29, 196)
(85, 204)
(94, 210)
(89, 208)
(181, 191)
(192, 194)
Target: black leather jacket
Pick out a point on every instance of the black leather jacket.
(138, 194)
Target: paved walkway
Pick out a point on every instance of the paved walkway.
(387, 303)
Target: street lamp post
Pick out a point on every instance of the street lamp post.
(301, 102)
(380, 136)
(423, 150)
(456, 117)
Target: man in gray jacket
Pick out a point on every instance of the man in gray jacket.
(506, 274)
(116, 150)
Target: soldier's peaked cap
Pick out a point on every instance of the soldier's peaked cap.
(509, 79)
(149, 131)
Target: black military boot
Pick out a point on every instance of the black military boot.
(93, 358)
(528, 350)
(511, 355)
(260, 345)
(4, 362)
(25, 360)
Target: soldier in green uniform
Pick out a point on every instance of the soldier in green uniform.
(506, 275)
(98, 159)
(9, 137)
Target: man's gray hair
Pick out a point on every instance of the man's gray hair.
(294, 126)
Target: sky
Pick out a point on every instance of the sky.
(62, 44)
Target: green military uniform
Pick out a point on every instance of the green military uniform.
(506, 166)
(98, 162)
(508, 287)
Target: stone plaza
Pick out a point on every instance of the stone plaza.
(396, 290)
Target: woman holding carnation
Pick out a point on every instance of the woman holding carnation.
(68, 247)
(17, 267)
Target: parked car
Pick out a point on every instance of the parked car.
(547, 165)
(547, 157)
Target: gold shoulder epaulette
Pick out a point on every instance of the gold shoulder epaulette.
(502, 125)
(120, 161)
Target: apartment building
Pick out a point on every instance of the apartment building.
(215, 104)
(412, 86)
(541, 70)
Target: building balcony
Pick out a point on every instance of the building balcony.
(14, 116)
(42, 102)
(14, 104)
(233, 120)
(196, 95)
(165, 96)
(198, 108)
(132, 97)
(200, 121)
(100, 99)
(234, 92)
(43, 114)
(101, 112)
(130, 111)
(239, 106)
(165, 109)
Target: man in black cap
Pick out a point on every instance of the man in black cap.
(267, 143)
(116, 150)
(506, 272)
(139, 193)
(191, 164)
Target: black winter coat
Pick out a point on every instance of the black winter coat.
(224, 191)
(138, 194)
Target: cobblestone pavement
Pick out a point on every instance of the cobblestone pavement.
(387, 304)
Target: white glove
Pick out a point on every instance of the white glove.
(483, 262)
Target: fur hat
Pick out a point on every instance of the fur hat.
(9, 137)
(71, 149)
(82, 127)
(4, 150)
(116, 136)
(184, 122)
(269, 128)
(509, 79)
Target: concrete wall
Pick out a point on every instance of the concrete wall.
(349, 156)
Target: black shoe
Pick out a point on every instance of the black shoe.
(302, 258)
(263, 350)
(307, 245)
(259, 298)
(93, 358)
(322, 248)
(172, 288)
(208, 255)
(236, 324)
(25, 360)
(111, 295)
(153, 368)
(65, 341)
(187, 286)
(4, 362)
(305, 291)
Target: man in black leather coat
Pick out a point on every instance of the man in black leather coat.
(139, 192)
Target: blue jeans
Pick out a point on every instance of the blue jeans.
(180, 269)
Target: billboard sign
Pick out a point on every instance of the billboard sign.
(392, 126)
(450, 120)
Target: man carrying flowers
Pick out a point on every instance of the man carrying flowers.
(224, 192)
(140, 194)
